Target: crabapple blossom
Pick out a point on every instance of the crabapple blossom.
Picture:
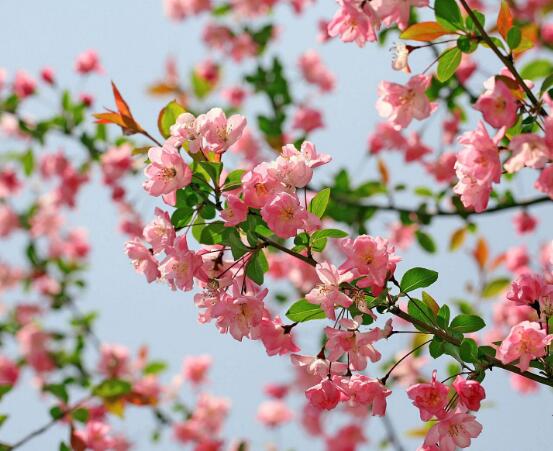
(195, 368)
(166, 172)
(328, 293)
(142, 259)
(528, 150)
(364, 391)
(544, 183)
(284, 215)
(218, 132)
(526, 341)
(524, 222)
(430, 398)
(181, 265)
(354, 21)
(9, 371)
(400, 104)
(497, 105)
(325, 395)
(88, 62)
(396, 12)
(315, 72)
(453, 431)
(274, 413)
(470, 392)
(160, 233)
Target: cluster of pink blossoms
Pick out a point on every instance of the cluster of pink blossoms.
(359, 21)
(453, 429)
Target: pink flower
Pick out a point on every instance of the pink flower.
(526, 289)
(466, 68)
(219, 133)
(524, 222)
(396, 12)
(498, 105)
(195, 368)
(236, 211)
(315, 72)
(526, 341)
(9, 371)
(277, 339)
(477, 167)
(415, 148)
(260, 186)
(276, 391)
(142, 260)
(10, 184)
(523, 384)
(470, 392)
(186, 131)
(23, 85)
(180, 9)
(47, 74)
(517, 259)
(33, 343)
(95, 436)
(160, 233)
(325, 395)
(358, 345)
(274, 414)
(240, 313)
(353, 22)
(386, 137)
(9, 221)
(401, 235)
(328, 293)
(234, 95)
(116, 162)
(430, 398)
(454, 431)
(399, 104)
(88, 62)
(181, 265)
(114, 361)
(364, 391)
(528, 150)
(284, 215)
(167, 171)
(307, 119)
(443, 169)
(544, 183)
(371, 257)
(347, 438)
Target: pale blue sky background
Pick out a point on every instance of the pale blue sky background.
(134, 39)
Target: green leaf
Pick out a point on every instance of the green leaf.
(257, 266)
(28, 162)
(470, 23)
(417, 278)
(318, 204)
(56, 412)
(537, 69)
(468, 350)
(320, 237)
(425, 241)
(467, 323)
(494, 287)
(212, 233)
(443, 316)
(112, 388)
(448, 63)
(419, 310)
(448, 14)
(213, 169)
(436, 347)
(547, 83)
(181, 217)
(155, 367)
(58, 390)
(302, 311)
(81, 415)
(168, 117)
(514, 36)
(5, 389)
(64, 447)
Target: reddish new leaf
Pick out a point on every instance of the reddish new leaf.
(504, 19)
(123, 117)
(481, 253)
(424, 32)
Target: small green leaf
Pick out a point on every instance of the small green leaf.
(448, 14)
(436, 347)
(448, 63)
(417, 278)
(469, 350)
(257, 266)
(56, 413)
(302, 311)
(168, 117)
(467, 324)
(181, 217)
(443, 316)
(318, 204)
(537, 69)
(81, 415)
(155, 367)
(112, 388)
(514, 36)
(419, 310)
(494, 287)
(425, 241)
